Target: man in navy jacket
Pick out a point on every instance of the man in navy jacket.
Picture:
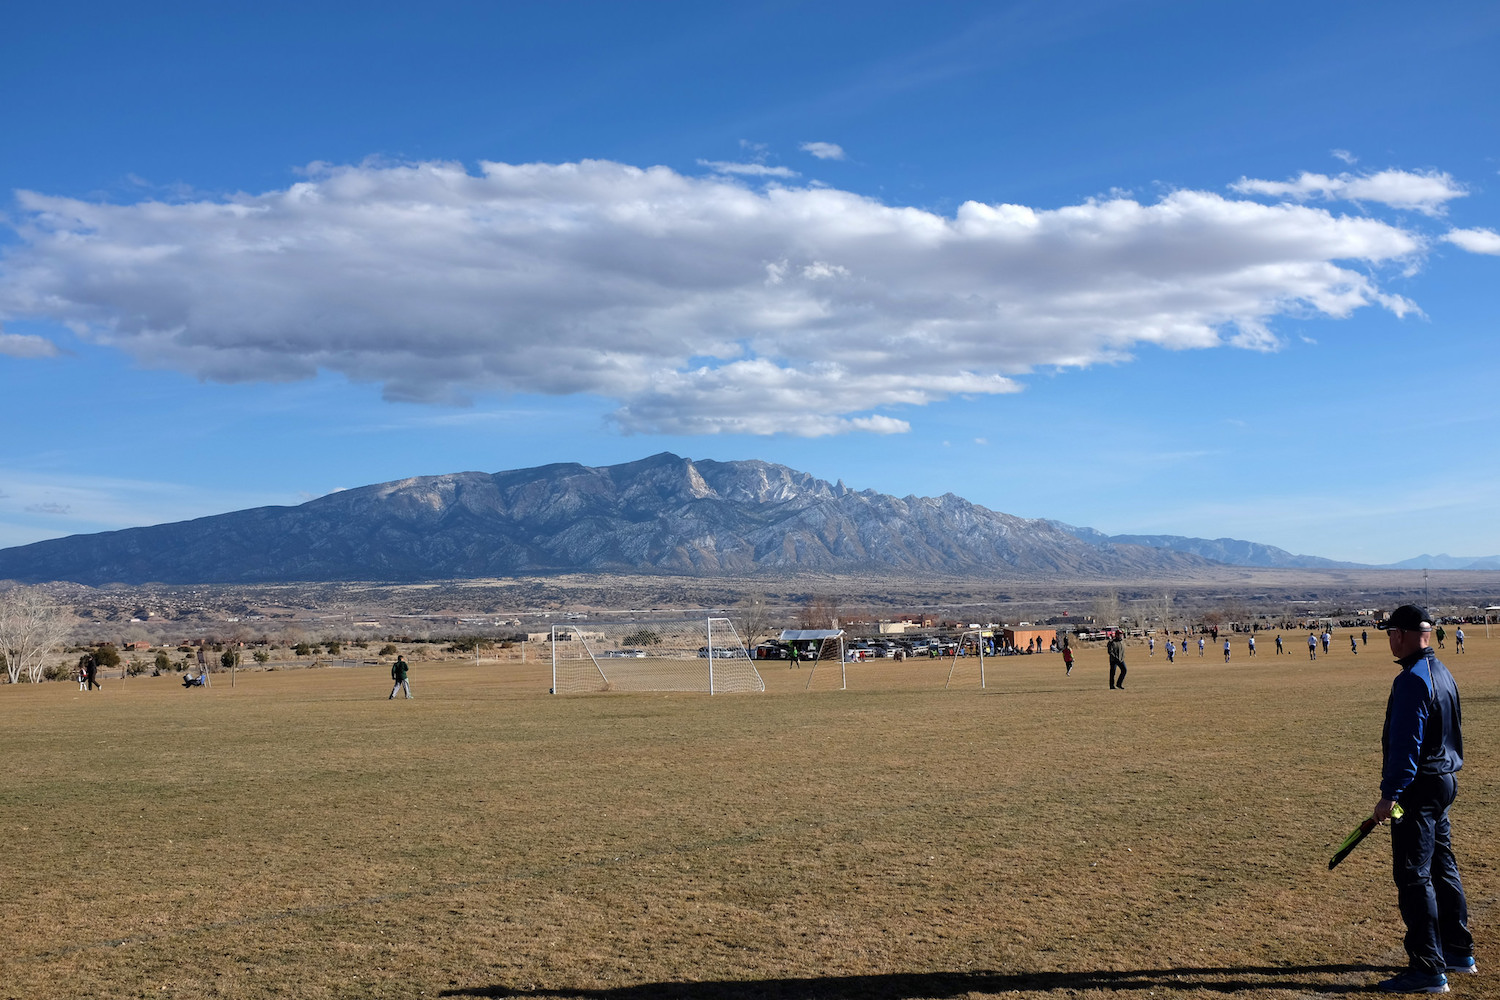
(1423, 748)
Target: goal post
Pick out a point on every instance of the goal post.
(979, 637)
(704, 654)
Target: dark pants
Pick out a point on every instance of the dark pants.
(1428, 889)
(1113, 665)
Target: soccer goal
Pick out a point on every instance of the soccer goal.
(704, 654)
(977, 637)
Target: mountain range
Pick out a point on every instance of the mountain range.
(664, 514)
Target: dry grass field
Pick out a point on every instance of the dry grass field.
(298, 835)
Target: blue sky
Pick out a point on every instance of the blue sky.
(1203, 269)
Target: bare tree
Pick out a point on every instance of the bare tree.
(32, 624)
(754, 619)
(1107, 608)
(820, 611)
(1164, 610)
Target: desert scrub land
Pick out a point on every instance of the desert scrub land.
(299, 835)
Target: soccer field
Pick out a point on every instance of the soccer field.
(298, 835)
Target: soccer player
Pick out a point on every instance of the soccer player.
(399, 671)
(1116, 648)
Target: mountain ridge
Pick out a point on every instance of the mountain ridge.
(662, 514)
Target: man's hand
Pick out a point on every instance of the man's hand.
(1383, 810)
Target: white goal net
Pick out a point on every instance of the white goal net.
(704, 654)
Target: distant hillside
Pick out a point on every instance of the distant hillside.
(1232, 551)
(663, 514)
(1445, 561)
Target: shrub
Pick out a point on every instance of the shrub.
(59, 672)
(136, 668)
(302, 649)
(163, 661)
(333, 647)
(107, 656)
(387, 650)
(261, 656)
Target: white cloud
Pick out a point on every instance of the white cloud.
(747, 169)
(1345, 155)
(1427, 192)
(698, 304)
(824, 150)
(23, 345)
(1475, 240)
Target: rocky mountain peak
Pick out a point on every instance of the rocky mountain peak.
(663, 514)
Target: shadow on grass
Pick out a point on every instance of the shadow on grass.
(907, 986)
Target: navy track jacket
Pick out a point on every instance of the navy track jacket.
(1423, 725)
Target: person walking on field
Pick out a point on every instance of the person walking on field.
(1067, 660)
(1353, 646)
(1171, 651)
(1226, 650)
(1200, 645)
(1327, 638)
(399, 671)
(1441, 635)
(1252, 645)
(1278, 645)
(1312, 646)
(1422, 746)
(1458, 639)
(1116, 649)
(1151, 644)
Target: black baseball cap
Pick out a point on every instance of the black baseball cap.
(1408, 618)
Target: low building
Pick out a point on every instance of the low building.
(1022, 636)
